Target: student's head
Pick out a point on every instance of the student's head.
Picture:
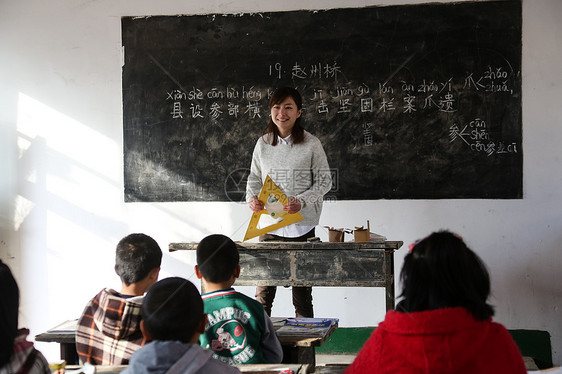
(9, 305)
(441, 271)
(217, 258)
(172, 309)
(286, 98)
(135, 257)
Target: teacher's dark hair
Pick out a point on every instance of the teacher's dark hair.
(442, 272)
(297, 134)
(9, 305)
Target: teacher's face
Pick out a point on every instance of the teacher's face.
(284, 116)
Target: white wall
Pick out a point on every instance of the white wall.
(61, 190)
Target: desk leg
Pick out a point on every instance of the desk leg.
(69, 354)
(389, 279)
(300, 355)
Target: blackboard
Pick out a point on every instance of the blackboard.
(410, 102)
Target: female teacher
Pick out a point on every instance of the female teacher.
(297, 163)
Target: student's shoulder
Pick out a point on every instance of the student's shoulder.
(212, 365)
(499, 330)
(253, 306)
(98, 296)
(109, 295)
(248, 299)
(227, 294)
(216, 366)
(234, 298)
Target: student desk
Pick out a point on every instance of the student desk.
(298, 348)
(344, 264)
(299, 341)
(64, 334)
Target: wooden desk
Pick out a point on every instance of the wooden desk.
(346, 264)
(297, 348)
(64, 334)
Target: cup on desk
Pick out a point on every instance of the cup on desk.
(361, 235)
(336, 235)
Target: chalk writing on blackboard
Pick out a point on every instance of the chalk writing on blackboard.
(407, 97)
(476, 136)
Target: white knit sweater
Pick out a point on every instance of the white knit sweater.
(300, 170)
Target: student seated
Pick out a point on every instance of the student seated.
(238, 330)
(172, 321)
(17, 355)
(443, 323)
(109, 329)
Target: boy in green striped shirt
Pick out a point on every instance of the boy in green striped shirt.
(238, 330)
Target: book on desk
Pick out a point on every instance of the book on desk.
(66, 326)
(304, 332)
(309, 327)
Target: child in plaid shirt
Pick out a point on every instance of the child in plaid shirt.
(109, 328)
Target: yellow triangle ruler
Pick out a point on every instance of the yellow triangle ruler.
(273, 200)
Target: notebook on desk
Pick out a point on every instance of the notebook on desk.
(67, 326)
(309, 327)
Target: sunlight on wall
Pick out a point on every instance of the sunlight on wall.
(69, 177)
(22, 209)
(73, 163)
(67, 136)
(68, 186)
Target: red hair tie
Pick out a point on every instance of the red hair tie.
(411, 246)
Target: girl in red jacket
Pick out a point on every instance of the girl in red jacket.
(443, 324)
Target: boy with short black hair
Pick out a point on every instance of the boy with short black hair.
(238, 330)
(109, 329)
(173, 319)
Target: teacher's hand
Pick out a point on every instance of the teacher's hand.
(255, 205)
(293, 206)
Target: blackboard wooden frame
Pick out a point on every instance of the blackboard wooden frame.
(410, 102)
